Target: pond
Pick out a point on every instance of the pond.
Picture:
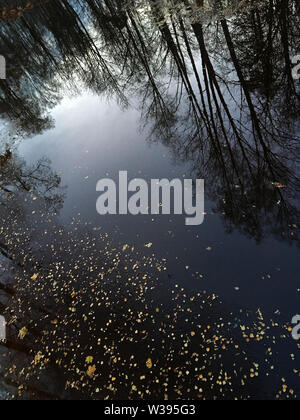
(146, 307)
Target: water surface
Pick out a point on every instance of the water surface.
(144, 306)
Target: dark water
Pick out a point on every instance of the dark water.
(144, 306)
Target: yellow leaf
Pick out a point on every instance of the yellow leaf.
(89, 360)
(22, 333)
(91, 371)
(149, 364)
(34, 277)
(38, 357)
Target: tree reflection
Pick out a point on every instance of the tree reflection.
(243, 141)
(216, 87)
(30, 196)
(38, 180)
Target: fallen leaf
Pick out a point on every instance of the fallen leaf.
(278, 185)
(91, 371)
(22, 333)
(149, 364)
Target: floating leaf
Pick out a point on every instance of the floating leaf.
(149, 364)
(278, 185)
(91, 371)
(22, 333)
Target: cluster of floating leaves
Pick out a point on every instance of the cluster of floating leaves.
(93, 320)
(15, 12)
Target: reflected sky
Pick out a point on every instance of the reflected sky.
(82, 148)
